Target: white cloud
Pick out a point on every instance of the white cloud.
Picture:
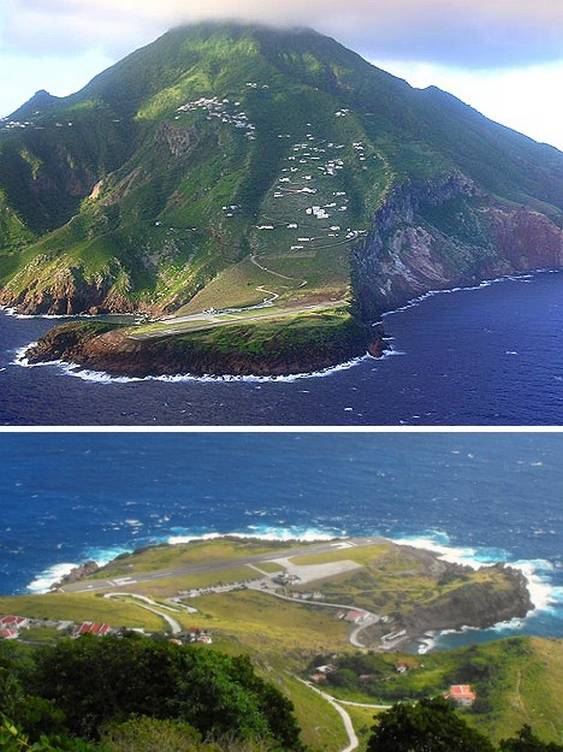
(476, 33)
(501, 56)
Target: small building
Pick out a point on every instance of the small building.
(318, 678)
(366, 678)
(92, 628)
(328, 669)
(462, 695)
(8, 634)
(402, 668)
(286, 579)
(14, 622)
(355, 617)
(204, 640)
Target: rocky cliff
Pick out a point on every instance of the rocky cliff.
(444, 233)
(257, 350)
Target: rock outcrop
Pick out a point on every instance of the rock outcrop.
(116, 352)
(444, 233)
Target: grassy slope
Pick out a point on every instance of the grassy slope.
(80, 607)
(516, 681)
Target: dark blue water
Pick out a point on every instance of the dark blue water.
(65, 498)
(492, 356)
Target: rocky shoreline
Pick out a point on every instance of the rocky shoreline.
(99, 347)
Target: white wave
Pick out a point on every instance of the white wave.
(101, 377)
(49, 577)
(19, 356)
(427, 643)
(305, 535)
(103, 556)
(482, 285)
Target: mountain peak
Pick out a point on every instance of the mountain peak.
(41, 100)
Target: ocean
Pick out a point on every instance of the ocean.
(66, 498)
(486, 356)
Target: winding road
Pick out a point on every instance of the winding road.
(353, 741)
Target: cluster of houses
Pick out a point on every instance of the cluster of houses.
(221, 109)
(10, 125)
(462, 695)
(11, 626)
(307, 159)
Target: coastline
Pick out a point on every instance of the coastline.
(85, 373)
(541, 592)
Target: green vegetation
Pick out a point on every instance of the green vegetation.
(148, 188)
(515, 681)
(433, 725)
(82, 688)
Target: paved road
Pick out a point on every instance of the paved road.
(370, 619)
(134, 578)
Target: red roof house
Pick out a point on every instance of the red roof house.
(8, 634)
(14, 622)
(461, 694)
(88, 627)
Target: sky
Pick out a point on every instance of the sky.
(504, 57)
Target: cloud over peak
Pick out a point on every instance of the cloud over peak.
(468, 33)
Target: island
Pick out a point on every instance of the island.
(263, 197)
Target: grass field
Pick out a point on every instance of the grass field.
(267, 626)
(80, 607)
(516, 680)
(158, 558)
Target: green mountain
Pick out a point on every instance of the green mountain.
(227, 164)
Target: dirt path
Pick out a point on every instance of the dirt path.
(143, 602)
(353, 741)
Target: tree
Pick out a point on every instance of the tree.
(12, 739)
(430, 725)
(95, 682)
(527, 742)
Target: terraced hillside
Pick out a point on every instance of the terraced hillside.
(226, 165)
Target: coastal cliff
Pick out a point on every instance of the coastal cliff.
(444, 233)
(306, 344)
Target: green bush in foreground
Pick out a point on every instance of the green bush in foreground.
(432, 725)
(79, 687)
